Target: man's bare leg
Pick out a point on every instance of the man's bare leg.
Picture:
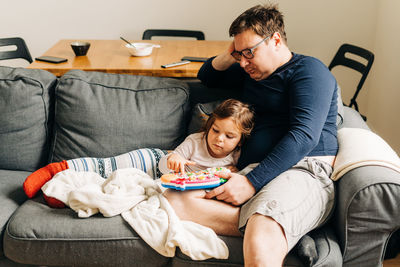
(264, 242)
(191, 205)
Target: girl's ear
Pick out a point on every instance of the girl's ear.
(239, 144)
(238, 147)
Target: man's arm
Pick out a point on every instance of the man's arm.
(222, 71)
(225, 60)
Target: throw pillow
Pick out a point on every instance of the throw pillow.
(102, 114)
(25, 108)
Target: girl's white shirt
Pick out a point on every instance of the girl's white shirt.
(194, 148)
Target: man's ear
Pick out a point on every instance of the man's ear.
(276, 38)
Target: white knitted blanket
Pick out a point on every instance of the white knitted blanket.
(360, 147)
(138, 198)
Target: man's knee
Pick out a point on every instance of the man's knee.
(266, 222)
(265, 228)
(264, 242)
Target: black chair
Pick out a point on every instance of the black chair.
(22, 50)
(148, 34)
(341, 59)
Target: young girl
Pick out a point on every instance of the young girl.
(218, 145)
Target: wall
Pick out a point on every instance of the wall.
(314, 27)
(384, 87)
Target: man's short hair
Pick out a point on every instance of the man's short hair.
(264, 20)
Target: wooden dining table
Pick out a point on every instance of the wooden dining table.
(112, 56)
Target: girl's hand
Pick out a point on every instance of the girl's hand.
(232, 168)
(177, 163)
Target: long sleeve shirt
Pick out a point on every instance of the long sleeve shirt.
(297, 104)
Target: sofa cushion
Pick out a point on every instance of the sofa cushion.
(11, 197)
(352, 119)
(103, 115)
(98, 241)
(24, 120)
(37, 234)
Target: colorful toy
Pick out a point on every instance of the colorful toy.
(194, 180)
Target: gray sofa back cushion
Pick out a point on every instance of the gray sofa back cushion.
(103, 115)
(24, 108)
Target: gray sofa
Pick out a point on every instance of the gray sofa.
(44, 119)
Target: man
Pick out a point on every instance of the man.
(294, 141)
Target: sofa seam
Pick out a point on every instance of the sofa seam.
(54, 132)
(183, 88)
(72, 240)
(219, 263)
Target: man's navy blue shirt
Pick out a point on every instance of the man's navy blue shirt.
(295, 107)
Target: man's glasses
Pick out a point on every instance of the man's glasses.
(248, 52)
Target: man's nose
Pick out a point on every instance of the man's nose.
(243, 62)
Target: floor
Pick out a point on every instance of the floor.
(392, 262)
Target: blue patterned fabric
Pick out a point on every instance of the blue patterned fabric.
(145, 159)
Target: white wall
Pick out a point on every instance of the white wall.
(384, 87)
(314, 27)
(42, 22)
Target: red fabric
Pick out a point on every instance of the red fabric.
(34, 182)
(53, 202)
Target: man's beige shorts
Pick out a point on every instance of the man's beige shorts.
(300, 199)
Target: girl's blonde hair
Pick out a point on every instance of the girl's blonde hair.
(241, 114)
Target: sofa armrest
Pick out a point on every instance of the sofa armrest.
(352, 119)
(367, 213)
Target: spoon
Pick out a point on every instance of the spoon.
(127, 42)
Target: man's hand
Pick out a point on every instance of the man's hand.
(224, 60)
(177, 163)
(237, 190)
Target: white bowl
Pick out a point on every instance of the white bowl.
(141, 49)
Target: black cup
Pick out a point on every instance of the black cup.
(80, 48)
